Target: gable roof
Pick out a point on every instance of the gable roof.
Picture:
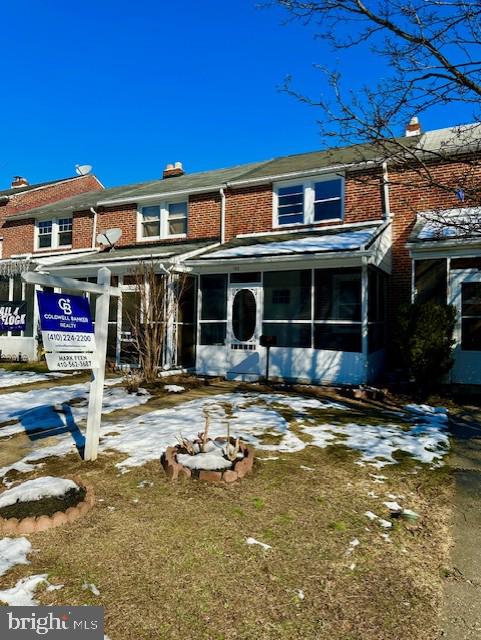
(12, 191)
(449, 140)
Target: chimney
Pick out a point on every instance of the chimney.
(19, 181)
(413, 128)
(173, 170)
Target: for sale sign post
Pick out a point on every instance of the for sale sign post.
(65, 322)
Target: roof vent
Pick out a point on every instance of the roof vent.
(414, 127)
(19, 181)
(173, 170)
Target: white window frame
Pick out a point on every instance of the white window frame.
(55, 233)
(309, 195)
(164, 221)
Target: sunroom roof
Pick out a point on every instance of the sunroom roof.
(332, 240)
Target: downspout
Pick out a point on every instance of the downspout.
(222, 214)
(385, 186)
(94, 228)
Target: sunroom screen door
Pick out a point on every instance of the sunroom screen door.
(243, 330)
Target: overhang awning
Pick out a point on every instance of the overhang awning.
(340, 242)
(123, 259)
(15, 266)
(447, 232)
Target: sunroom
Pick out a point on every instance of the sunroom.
(445, 247)
(317, 298)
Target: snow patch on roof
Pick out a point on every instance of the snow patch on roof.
(344, 241)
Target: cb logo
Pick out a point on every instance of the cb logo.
(64, 304)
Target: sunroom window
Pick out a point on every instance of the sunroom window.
(213, 309)
(163, 220)
(309, 202)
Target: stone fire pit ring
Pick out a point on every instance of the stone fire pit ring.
(240, 467)
(30, 524)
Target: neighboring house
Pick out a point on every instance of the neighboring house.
(310, 249)
(20, 197)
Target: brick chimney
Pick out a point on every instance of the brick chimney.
(413, 128)
(173, 170)
(19, 181)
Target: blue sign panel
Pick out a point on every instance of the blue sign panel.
(62, 312)
(13, 316)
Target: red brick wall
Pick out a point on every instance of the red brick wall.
(204, 216)
(18, 236)
(124, 217)
(82, 228)
(203, 220)
(363, 197)
(249, 210)
(410, 195)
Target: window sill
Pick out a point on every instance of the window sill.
(310, 225)
(63, 247)
(157, 238)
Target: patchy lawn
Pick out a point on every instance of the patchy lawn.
(171, 561)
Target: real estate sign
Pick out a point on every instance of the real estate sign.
(13, 316)
(62, 360)
(65, 322)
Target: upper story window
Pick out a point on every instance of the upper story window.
(165, 220)
(317, 200)
(55, 233)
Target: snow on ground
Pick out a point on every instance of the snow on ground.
(258, 420)
(425, 440)
(173, 388)
(21, 595)
(13, 378)
(261, 544)
(91, 587)
(46, 409)
(43, 487)
(13, 551)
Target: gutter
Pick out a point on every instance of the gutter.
(385, 186)
(94, 228)
(222, 215)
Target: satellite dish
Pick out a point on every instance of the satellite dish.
(83, 169)
(110, 237)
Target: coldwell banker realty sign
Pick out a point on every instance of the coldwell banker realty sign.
(67, 331)
(59, 623)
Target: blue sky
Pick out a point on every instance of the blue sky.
(131, 86)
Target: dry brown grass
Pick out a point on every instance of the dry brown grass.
(175, 563)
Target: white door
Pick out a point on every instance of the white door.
(244, 355)
(465, 295)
